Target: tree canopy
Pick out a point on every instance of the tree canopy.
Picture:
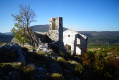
(21, 29)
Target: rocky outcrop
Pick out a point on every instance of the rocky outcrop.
(11, 53)
(35, 40)
(16, 63)
(44, 48)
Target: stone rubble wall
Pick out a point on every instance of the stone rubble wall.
(53, 35)
(45, 48)
(59, 27)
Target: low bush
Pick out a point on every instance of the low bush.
(56, 76)
(28, 68)
(86, 59)
(60, 59)
(1, 44)
(112, 68)
(62, 62)
(78, 68)
(40, 53)
(99, 65)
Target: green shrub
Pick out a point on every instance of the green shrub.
(56, 76)
(28, 68)
(40, 53)
(62, 62)
(13, 65)
(48, 53)
(112, 67)
(60, 59)
(78, 68)
(1, 44)
(86, 59)
(98, 64)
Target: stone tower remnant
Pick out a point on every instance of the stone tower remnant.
(69, 40)
(56, 29)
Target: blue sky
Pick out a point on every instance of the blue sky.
(79, 15)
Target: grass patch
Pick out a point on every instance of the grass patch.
(40, 53)
(78, 68)
(28, 68)
(1, 43)
(60, 59)
(62, 62)
(56, 76)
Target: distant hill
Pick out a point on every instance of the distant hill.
(2, 33)
(102, 39)
(42, 28)
(102, 36)
(8, 33)
(5, 38)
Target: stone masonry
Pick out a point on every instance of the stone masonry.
(56, 29)
(74, 42)
(56, 32)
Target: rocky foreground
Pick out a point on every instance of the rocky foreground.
(18, 63)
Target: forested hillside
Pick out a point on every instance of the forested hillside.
(102, 38)
(5, 38)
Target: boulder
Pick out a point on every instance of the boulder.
(44, 48)
(11, 53)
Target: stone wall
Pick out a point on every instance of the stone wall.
(78, 42)
(53, 35)
(59, 27)
(83, 43)
(56, 29)
(56, 32)
(69, 38)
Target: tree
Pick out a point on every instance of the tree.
(21, 29)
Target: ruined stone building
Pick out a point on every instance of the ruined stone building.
(73, 42)
(65, 39)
